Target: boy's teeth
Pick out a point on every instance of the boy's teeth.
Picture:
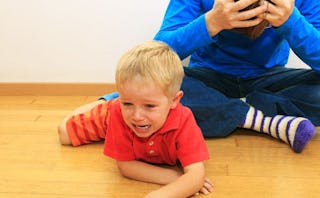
(145, 126)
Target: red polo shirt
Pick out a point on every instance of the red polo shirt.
(179, 139)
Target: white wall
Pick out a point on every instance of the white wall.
(294, 61)
(72, 40)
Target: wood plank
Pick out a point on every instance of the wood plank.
(55, 89)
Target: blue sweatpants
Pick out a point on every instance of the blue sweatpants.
(214, 97)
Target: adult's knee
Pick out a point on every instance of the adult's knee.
(304, 93)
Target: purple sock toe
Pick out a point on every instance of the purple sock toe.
(305, 132)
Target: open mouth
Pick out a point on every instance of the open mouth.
(141, 127)
(141, 130)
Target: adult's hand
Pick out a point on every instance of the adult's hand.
(278, 11)
(227, 14)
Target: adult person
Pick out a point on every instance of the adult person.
(226, 65)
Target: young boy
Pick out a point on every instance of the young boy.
(146, 124)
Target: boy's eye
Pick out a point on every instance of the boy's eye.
(126, 103)
(150, 105)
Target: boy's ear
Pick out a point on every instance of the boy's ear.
(177, 99)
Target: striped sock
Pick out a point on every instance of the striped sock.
(295, 131)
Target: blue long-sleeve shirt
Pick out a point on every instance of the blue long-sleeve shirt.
(184, 29)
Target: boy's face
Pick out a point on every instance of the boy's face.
(145, 107)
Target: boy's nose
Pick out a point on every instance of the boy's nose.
(138, 115)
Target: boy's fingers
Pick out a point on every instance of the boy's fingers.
(204, 191)
(206, 180)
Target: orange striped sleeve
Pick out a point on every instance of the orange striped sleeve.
(90, 126)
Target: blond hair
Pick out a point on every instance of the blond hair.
(151, 61)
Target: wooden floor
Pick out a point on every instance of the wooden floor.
(34, 164)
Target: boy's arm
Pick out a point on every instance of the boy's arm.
(177, 184)
(191, 182)
(145, 172)
(62, 129)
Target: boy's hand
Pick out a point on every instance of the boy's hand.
(206, 188)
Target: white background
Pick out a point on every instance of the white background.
(73, 40)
